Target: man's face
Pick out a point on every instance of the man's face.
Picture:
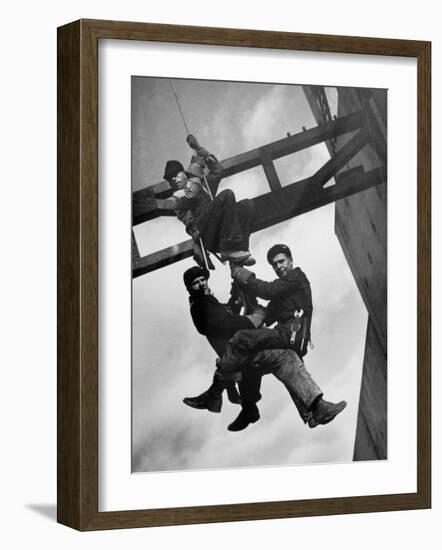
(282, 264)
(200, 286)
(180, 180)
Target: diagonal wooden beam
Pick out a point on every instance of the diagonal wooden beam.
(270, 172)
(145, 208)
(275, 207)
(340, 159)
(293, 144)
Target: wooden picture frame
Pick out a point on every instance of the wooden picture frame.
(77, 387)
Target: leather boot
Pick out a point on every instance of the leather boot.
(302, 388)
(211, 399)
(324, 412)
(247, 416)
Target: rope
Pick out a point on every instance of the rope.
(209, 191)
(179, 107)
(204, 179)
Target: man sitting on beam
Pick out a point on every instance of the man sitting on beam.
(219, 224)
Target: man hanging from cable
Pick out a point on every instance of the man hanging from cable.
(218, 224)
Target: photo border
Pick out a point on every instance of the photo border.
(77, 224)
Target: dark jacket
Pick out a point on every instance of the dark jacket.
(287, 294)
(215, 320)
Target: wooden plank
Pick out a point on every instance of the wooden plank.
(145, 208)
(298, 198)
(273, 208)
(270, 171)
(164, 257)
(338, 161)
(293, 144)
(135, 252)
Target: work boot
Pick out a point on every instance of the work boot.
(247, 416)
(248, 261)
(207, 400)
(237, 256)
(232, 393)
(324, 412)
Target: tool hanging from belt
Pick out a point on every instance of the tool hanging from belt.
(295, 325)
(240, 298)
(301, 325)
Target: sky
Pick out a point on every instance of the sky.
(170, 359)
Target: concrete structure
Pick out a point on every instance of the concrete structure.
(361, 227)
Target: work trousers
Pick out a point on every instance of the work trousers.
(289, 369)
(226, 224)
(247, 342)
(250, 383)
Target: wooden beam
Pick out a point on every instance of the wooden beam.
(135, 251)
(340, 159)
(270, 171)
(293, 144)
(275, 207)
(318, 102)
(144, 208)
(147, 208)
(164, 257)
(298, 198)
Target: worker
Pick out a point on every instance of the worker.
(218, 323)
(222, 224)
(290, 305)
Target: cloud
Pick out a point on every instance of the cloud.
(171, 360)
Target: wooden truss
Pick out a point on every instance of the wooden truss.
(281, 203)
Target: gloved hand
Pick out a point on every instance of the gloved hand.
(240, 274)
(193, 142)
(195, 235)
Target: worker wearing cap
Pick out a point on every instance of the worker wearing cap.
(290, 305)
(223, 224)
(218, 323)
(215, 321)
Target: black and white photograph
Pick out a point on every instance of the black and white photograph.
(259, 274)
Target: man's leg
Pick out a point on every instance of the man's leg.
(307, 396)
(289, 369)
(246, 214)
(249, 389)
(245, 343)
(219, 224)
(211, 399)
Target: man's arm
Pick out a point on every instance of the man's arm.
(218, 321)
(204, 158)
(263, 289)
(184, 212)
